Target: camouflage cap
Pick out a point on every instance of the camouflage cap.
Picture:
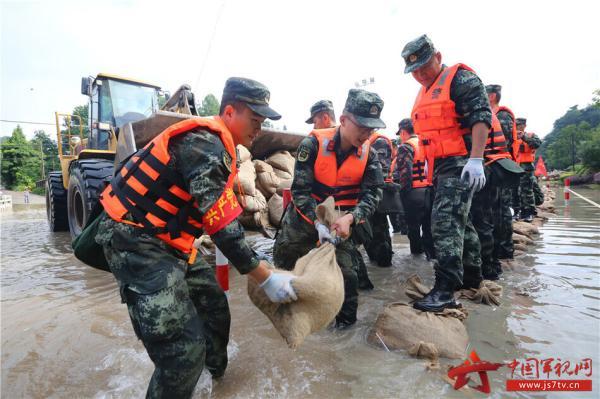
(493, 89)
(521, 121)
(253, 93)
(366, 108)
(319, 106)
(405, 124)
(416, 53)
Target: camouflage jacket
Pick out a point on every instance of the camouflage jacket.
(384, 153)
(304, 177)
(403, 173)
(200, 157)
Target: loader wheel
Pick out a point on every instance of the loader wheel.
(56, 202)
(87, 180)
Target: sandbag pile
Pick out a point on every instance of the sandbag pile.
(319, 286)
(252, 200)
(488, 293)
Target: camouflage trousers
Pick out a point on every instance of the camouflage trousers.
(177, 310)
(503, 230)
(523, 197)
(455, 240)
(297, 237)
(417, 208)
(399, 224)
(538, 195)
(482, 217)
(379, 248)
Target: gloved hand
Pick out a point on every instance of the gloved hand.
(473, 173)
(324, 233)
(278, 288)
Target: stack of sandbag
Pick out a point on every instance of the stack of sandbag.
(422, 334)
(319, 286)
(523, 235)
(251, 199)
(267, 180)
(274, 175)
(283, 166)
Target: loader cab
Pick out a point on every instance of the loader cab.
(114, 102)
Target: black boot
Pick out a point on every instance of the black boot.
(528, 217)
(439, 298)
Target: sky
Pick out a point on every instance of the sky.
(544, 54)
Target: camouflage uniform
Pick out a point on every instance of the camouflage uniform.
(177, 309)
(297, 237)
(525, 196)
(456, 243)
(417, 204)
(503, 230)
(379, 248)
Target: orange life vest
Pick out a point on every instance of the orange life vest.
(419, 178)
(434, 117)
(495, 146)
(526, 153)
(393, 151)
(155, 197)
(514, 150)
(343, 183)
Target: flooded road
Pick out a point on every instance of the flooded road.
(65, 333)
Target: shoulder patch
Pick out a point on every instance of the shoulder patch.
(227, 160)
(303, 154)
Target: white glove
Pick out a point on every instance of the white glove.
(278, 288)
(473, 173)
(324, 233)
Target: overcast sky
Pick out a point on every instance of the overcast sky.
(544, 54)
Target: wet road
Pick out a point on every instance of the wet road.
(65, 333)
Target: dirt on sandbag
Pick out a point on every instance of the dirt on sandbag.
(422, 334)
(319, 286)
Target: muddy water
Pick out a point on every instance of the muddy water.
(65, 333)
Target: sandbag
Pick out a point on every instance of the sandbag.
(251, 220)
(517, 246)
(282, 174)
(262, 166)
(243, 154)
(246, 177)
(488, 293)
(320, 289)
(283, 161)
(524, 228)
(400, 326)
(275, 205)
(283, 185)
(267, 183)
(253, 203)
(521, 239)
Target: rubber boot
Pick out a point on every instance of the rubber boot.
(439, 298)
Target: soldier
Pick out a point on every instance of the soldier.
(322, 116)
(503, 229)
(398, 219)
(379, 248)
(452, 116)
(335, 162)
(416, 190)
(527, 142)
(168, 193)
(499, 168)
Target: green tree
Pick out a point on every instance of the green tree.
(49, 148)
(596, 98)
(564, 151)
(210, 106)
(82, 112)
(20, 163)
(590, 151)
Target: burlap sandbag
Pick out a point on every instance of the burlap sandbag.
(284, 184)
(521, 239)
(246, 177)
(283, 161)
(526, 229)
(267, 183)
(282, 174)
(253, 203)
(488, 293)
(423, 334)
(275, 205)
(320, 289)
(243, 153)
(262, 166)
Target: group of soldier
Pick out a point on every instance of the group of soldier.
(454, 174)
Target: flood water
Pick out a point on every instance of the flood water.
(65, 333)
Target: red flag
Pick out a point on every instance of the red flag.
(540, 168)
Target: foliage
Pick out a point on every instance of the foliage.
(590, 151)
(210, 106)
(20, 163)
(49, 148)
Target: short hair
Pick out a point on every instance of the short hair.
(328, 112)
(236, 104)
